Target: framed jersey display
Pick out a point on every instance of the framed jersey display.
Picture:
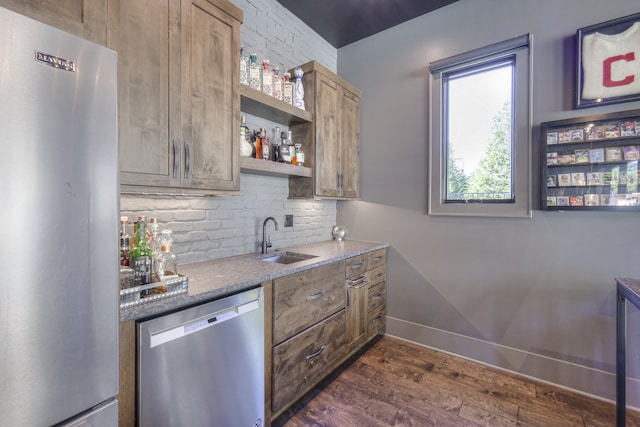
(608, 62)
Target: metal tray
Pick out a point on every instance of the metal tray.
(131, 297)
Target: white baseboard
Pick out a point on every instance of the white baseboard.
(576, 378)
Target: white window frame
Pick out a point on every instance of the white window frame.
(521, 166)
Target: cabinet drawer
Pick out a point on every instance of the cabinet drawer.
(300, 362)
(377, 275)
(377, 319)
(376, 258)
(355, 266)
(303, 299)
(376, 296)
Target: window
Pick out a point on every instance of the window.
(480, 145)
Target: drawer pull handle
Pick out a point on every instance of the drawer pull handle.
(356, 266)
(187, 159)
(317, 353)
(377, 276)
(357, 281)
(377, 319)
(176, 159)
(377, 297)
(376, 259)
(362, 285)
(316, 296)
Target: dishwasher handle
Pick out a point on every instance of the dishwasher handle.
(197, 325)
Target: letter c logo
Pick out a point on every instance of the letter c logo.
(606, 75)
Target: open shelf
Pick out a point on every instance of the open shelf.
(260, 104)
(266, 167)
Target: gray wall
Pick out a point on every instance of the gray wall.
(534, 296)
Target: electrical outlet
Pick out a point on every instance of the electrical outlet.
(288, 220)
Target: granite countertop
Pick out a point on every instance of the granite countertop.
(209, 280)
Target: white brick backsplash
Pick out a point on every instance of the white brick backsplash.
(215, 227)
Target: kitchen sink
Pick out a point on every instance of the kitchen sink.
(288, 257)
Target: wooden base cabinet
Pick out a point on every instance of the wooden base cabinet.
(308, 330)
(179, 94)
(331, 143)
(320, 317)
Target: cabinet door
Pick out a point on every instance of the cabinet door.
(350, 144)
(210, 97)
(327, 104)
(145, 34)
(83, 18)
(357, 310)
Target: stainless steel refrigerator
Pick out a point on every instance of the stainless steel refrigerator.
(58, 228)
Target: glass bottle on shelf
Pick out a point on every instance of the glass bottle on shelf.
(126, 274)
(299, 155)
(153, 242)
(166, 262)
(244, 67)
(299, 89)
(124, 241)
(288, 89)
(285, 152)
(275, 145)
(277, 84)
(254, 72)
(246, 149)
(267, 78)
(259, 144)
(141, 257)
(266, 146)
(132, 239)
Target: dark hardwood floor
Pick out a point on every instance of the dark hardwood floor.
(396, 383)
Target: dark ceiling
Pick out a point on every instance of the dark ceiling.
(341, 22)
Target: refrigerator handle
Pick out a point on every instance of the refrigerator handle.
(176, 158)
(187, 159)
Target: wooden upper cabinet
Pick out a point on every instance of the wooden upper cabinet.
(179, 94)
(332, 140)
(83, 18)
(211, 95)
(146, 35)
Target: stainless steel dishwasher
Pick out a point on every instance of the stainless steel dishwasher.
(204, 366)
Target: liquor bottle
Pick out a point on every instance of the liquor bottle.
(288, 89)
(153, 243)
(275, 146)
(278, 80)
(266, 146)
(299, 92)
(132, 240)
(141, 257)
(124, 241)
(254, 72)
(285, 153)
(267, 78)
(299, 155)
(166, 263)
(244, 67)
(246, 149)
(259, 144)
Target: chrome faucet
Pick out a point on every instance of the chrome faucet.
(267, 243)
